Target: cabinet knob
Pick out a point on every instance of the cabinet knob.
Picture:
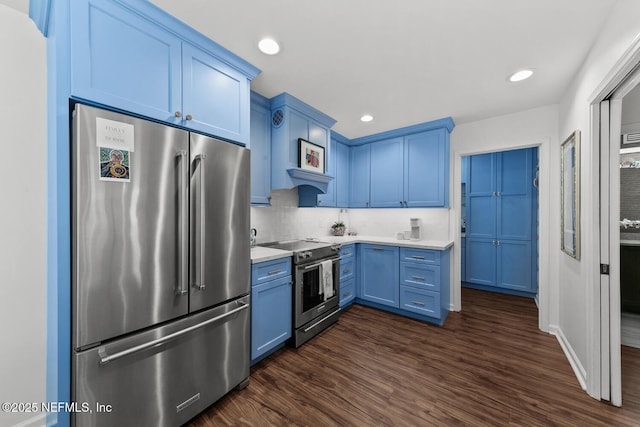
(178, 114)
(189, 117)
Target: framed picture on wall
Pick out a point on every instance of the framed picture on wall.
(570, 195)
(311, 156)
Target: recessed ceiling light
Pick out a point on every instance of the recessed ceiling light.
(366, 118)
(518, 76)
(269, 46)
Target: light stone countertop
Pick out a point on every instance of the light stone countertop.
(420, 244)
(262, 254)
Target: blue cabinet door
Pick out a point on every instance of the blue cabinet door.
(379, 274)
(426, 170)
(342, 175)
(387, 180)
(270, 315)
(260, 154)
(121, 57)
(122, 60)
(514, 265)
(481, 261)
(215, 96)
(331, 158)
(360, 175)
(514, 201)
(481, 197)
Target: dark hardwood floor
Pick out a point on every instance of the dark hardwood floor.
(489, 365)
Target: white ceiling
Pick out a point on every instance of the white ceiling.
(405, 61)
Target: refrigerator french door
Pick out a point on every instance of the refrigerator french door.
(160, 280)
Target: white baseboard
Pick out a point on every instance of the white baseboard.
(630, 330)
(578, 369)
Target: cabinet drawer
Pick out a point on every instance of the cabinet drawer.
(347, 292)
(420, 275)
(420, 301)
(347, 251)
(270, 270)
(347, 267)
(425, 256)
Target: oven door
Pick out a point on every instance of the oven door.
(310, 298)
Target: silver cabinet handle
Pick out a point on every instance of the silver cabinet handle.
(183, 238)
(418, 278)
(105, 358)
(498, 242)
(417, 302)
(401, 203)
(417, 257)
(378, 249)
(178, 114)
(189, 117)
(272, 272)
(346, 253)
(346, 270)
(346, 294)
(203, 214)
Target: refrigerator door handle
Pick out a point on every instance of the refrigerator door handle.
(106, 358)
(183, 289)
(203, 214)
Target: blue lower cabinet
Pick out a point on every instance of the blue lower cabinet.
(412, 282)
(379, 274)
(426, 303)
(271, 307)
(347, 292)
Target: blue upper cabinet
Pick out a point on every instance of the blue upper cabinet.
(360, 174)
(260, 150)
(137, 58)
(328, 199)
(409, 167)
(342, 175)
(292, 119)
(387, 180)
(426, 169)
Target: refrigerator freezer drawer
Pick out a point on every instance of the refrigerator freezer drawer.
(165, 376)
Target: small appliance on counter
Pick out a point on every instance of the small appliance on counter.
(416, 229)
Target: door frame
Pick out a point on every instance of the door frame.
(544, 236)
(604, 325)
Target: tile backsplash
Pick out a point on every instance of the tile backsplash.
(283, 220)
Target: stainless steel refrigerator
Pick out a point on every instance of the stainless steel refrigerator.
(161, 270)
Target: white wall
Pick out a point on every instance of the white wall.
(537, 127)
(579, 279)
(22, 214)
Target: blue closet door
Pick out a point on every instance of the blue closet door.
(514, 265)
(481, 261)
(481, 197)
(514, 215)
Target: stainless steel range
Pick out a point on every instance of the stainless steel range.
(316, 289)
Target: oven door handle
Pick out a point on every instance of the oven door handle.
(309, 267)
(321, 320)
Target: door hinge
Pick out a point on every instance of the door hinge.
(604, 269)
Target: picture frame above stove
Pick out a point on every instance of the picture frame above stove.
(310, 156)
